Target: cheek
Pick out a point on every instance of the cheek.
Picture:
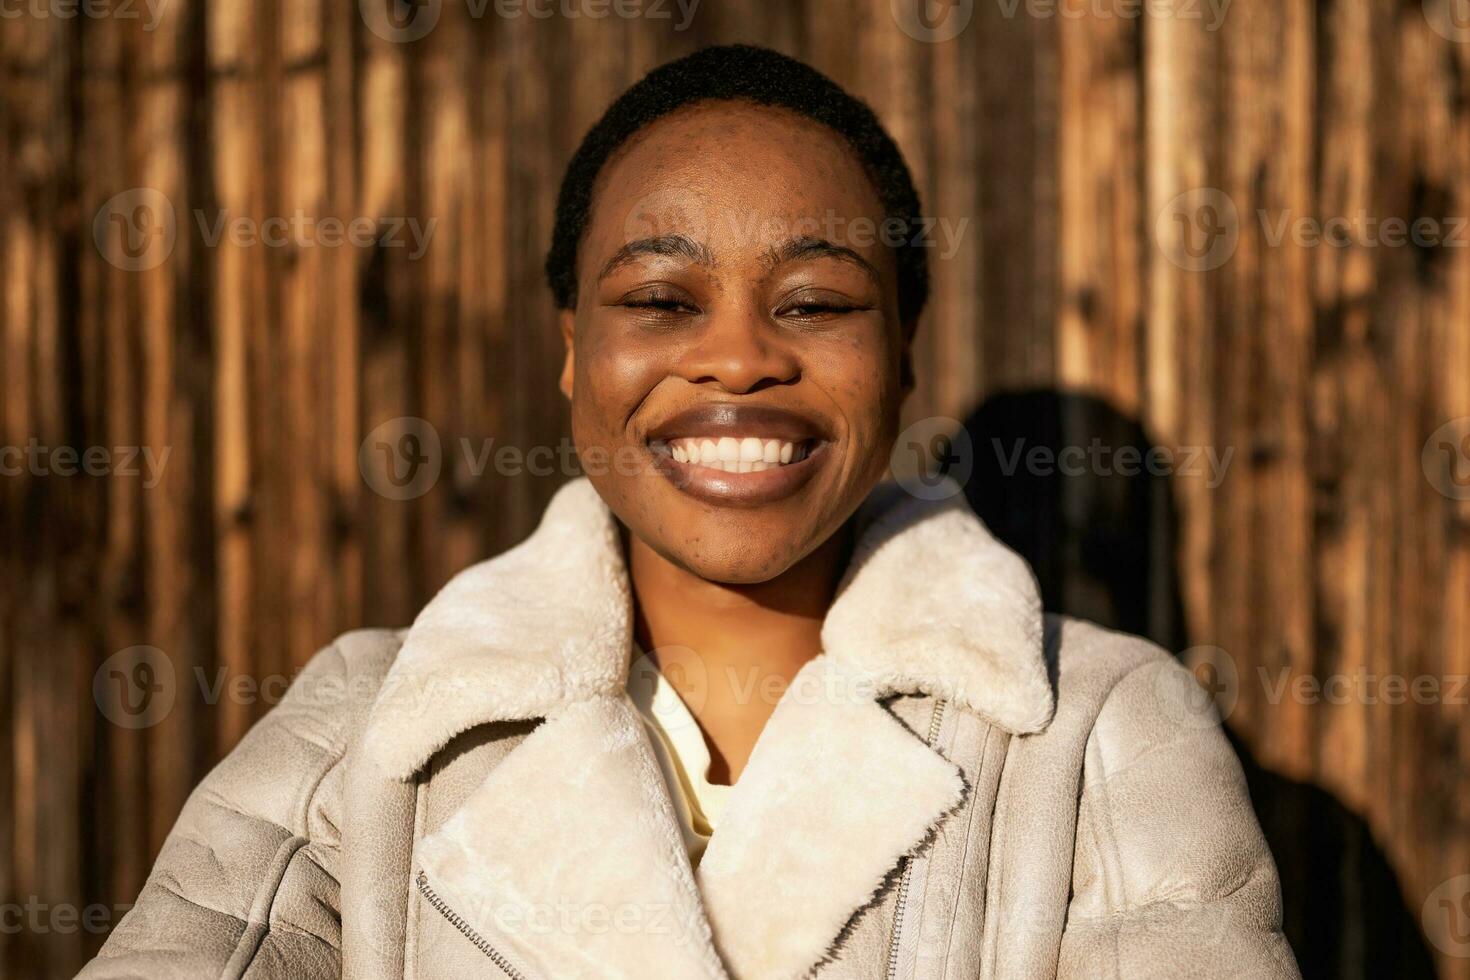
(863, 378)
(612, 380)
(871, 403)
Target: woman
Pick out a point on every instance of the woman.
(855, 746)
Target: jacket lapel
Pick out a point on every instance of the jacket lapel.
(568, 860)
(578, 819)
(836, 792)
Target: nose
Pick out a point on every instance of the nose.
(740, 351)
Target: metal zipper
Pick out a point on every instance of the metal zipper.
(908, 865)
(467, 930)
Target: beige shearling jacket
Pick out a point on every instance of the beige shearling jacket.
(959, 787)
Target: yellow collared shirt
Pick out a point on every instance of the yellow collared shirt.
(682, 753)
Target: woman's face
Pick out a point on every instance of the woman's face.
(735, 363)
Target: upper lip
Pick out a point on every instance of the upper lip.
(715, 419)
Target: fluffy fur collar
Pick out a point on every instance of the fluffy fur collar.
(930, 603)
(577, 824)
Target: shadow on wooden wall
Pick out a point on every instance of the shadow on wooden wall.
(1103, 544)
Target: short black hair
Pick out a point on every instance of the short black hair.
(742, 72)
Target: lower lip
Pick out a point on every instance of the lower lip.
(740, 489)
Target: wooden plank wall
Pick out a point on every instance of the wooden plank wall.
(1064, 134)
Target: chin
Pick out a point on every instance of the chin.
(746, 570)
(733, 556)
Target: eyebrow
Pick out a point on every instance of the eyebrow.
(809, 247)
(677, 246)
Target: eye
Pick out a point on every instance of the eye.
(659, 302)
(814, 307)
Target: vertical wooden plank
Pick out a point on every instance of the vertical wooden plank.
(267, 355)
(893, 74)
(1261, 596)
(238, 277)
(385, 312)
(33, 57)
(120, 848)
(173, 612)
(1447, 146)
(444, 219)
(1100, 265)
(481, 277)
(316, 238)
(1180, 62)
(1349, 393)
(531, 50)
(1265, 342)
(339, 321)
(952, 200)
(1018, 115)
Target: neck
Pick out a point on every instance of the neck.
(730, 650)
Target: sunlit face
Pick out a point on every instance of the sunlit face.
(735, 362)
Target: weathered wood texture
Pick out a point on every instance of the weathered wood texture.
(1062, 136)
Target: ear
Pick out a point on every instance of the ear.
(567, 320)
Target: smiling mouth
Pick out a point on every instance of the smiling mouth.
(741, 455)
(734, 454)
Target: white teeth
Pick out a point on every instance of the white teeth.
(748, 454)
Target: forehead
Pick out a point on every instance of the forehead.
(733, 174)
